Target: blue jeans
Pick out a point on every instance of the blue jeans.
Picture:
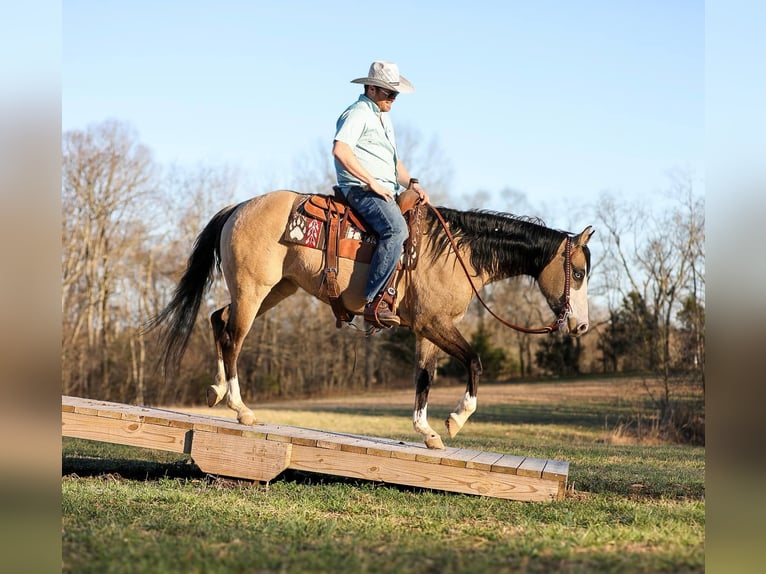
(387, 221)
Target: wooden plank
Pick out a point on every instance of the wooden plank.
(353, 445)
(384, 442)
(254, 432)
(460, 457)
(387, 447)
(559, 470)
(556, 469)
(205, 426)
(86, 410)
(238, 456)
(109, 413)
(133, 417)
(532, 467)
(133, 433)
(384, 451)
(409, 451)
(328, 444)
(405, 453)
(431, 456)
(279, 433)
(509, 464)
(305, 437)
(234, 431)
(484, 461)
(424, 475)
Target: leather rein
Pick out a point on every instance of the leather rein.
(567, 309)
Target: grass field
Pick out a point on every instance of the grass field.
(633, 506)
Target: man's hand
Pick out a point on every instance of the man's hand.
(378, 189)
(421, 193)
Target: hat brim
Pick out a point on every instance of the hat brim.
(403, 87)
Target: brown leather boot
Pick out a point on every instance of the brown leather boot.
(382, 316)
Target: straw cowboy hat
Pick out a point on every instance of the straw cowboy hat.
(386, 75)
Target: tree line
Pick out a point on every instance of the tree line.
(128, 225)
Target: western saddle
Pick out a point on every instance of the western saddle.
(338, 215)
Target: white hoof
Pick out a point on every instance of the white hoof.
(246, 418)
(435, 442)
(453, 426)
(214, 395)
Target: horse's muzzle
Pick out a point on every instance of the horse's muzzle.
(574, 327)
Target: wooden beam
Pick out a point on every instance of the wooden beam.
(128, 432)
(422, 474)
(239, 456)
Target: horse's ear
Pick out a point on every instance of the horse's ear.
(585, 236)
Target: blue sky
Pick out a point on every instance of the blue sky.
(555, 99)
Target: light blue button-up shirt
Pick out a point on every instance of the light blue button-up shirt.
(370, 134)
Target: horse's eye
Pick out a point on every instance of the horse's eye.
(578, 275)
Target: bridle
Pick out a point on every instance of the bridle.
(566, 309)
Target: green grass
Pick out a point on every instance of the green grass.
(634, 508)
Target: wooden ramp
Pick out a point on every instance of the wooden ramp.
(261, 452)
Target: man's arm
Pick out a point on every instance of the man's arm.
(345, 156)
(403, 176)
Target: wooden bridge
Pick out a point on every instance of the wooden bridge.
(261, 452)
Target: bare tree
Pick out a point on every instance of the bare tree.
(106, 178)
(656, 259)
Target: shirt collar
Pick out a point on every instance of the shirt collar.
(365, 100)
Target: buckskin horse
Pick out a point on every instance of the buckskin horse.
(461, 251)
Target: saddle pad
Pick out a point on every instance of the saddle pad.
(303, 228)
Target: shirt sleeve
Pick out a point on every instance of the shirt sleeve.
(350, 127)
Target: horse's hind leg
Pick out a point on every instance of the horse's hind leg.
(241, 316)
(216, 392)
(229, 330)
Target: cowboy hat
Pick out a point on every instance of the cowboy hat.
(386, 75)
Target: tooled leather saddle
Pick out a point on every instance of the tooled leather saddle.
(329, 223)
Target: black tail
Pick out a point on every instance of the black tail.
(181, 313)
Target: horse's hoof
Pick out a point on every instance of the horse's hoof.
(213, 398)
(246, 419)
(452, 426)
(435, 442)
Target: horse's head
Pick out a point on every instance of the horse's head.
(569, 299)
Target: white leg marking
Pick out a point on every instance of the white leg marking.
(464, 409)
(430, 436)
(244, 415)
(420, 422)
(216, 392)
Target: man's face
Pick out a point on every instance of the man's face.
(384, 98)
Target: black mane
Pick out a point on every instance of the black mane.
(501, 244)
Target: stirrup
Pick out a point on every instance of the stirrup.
(380, 312)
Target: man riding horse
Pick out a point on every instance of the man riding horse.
(460, 253)
(369, 173)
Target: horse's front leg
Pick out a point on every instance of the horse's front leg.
(449, 339)
(467, 405)
(424, 376)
